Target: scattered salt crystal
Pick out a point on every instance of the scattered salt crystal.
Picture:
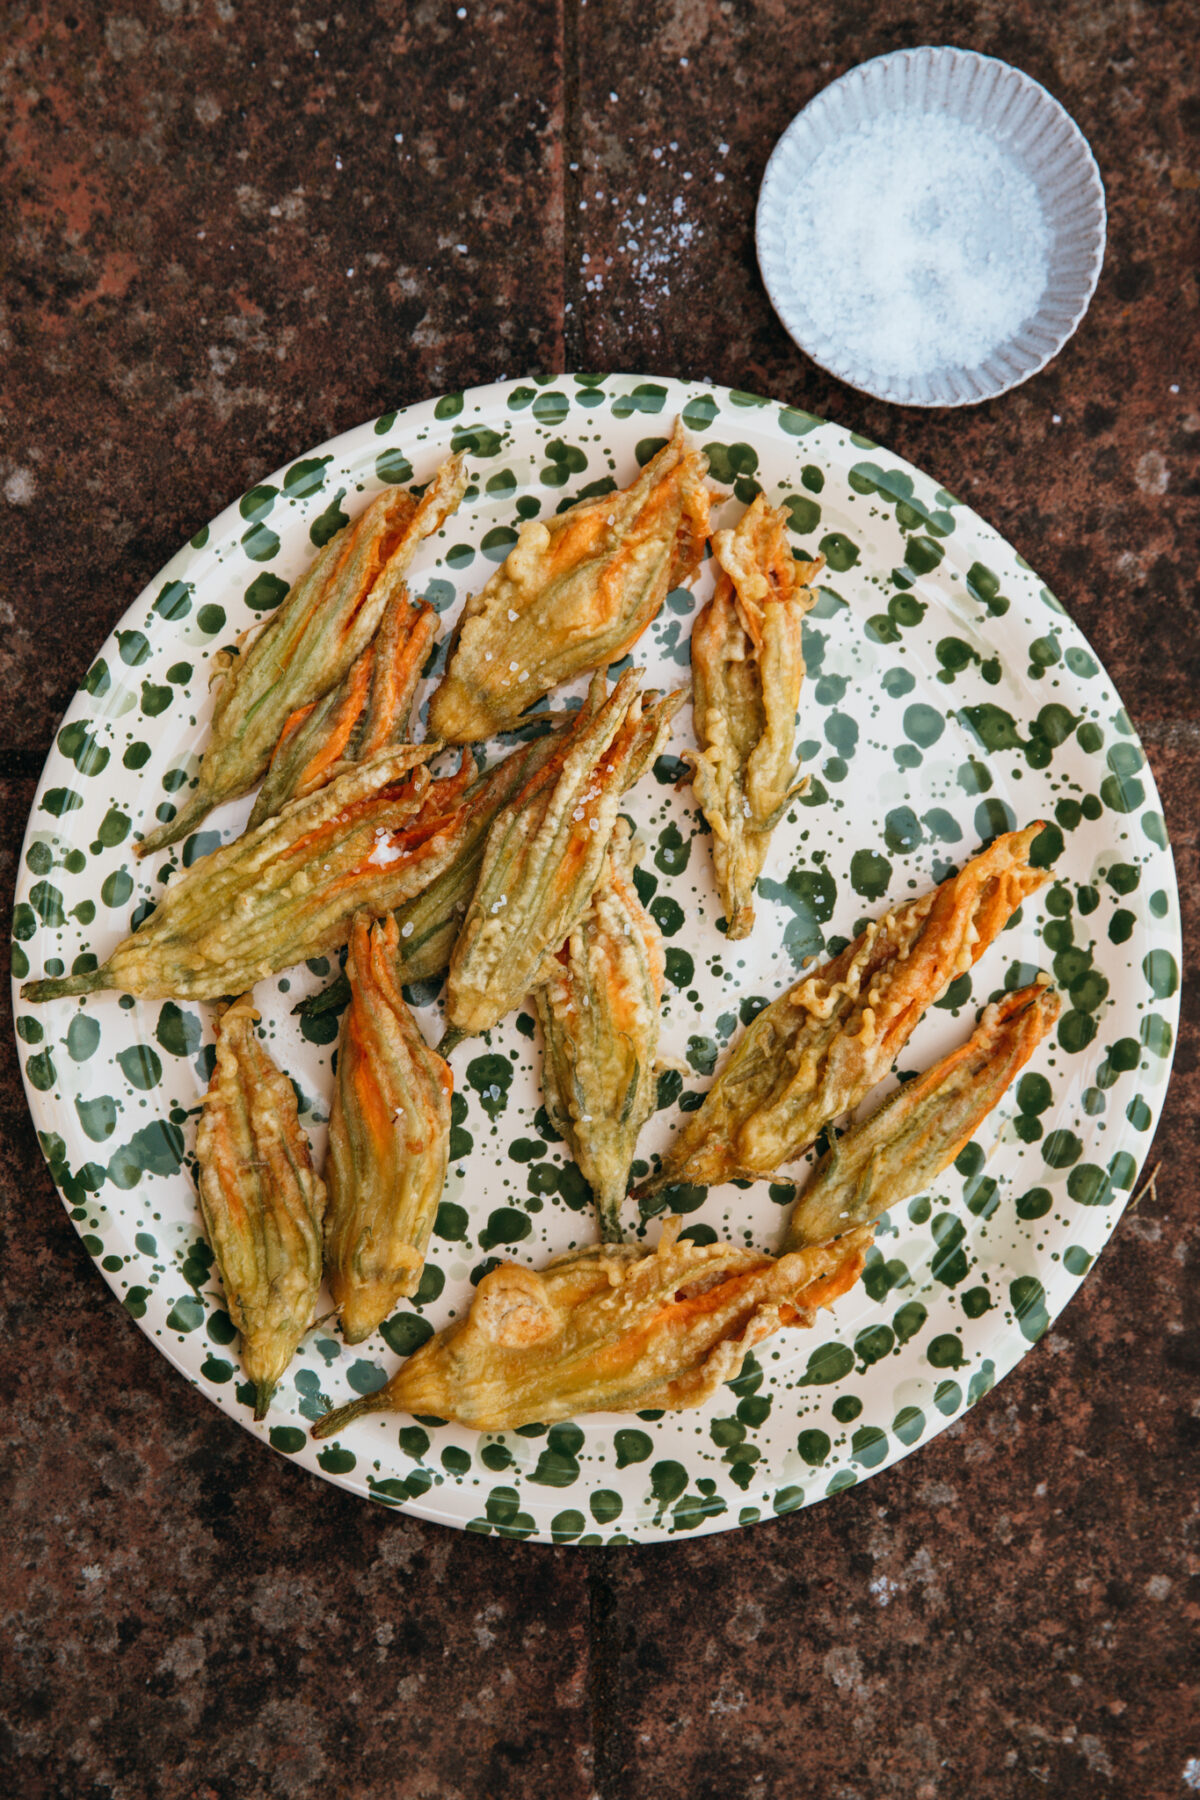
(512, 614)
(383, 854)
(918, 244)
(514, 667)
(407, 928)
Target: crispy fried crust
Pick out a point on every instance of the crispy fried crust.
(599, 1014)
(907, 1142)
(544, 854)
(366, 713)
(612, 1328)
(819, 1049)
(389, 1135)
(574, 594)
(318, 632)
(371, 838)
(748, 669)
(261, 1200)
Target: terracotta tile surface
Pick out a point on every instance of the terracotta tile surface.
(231, 231)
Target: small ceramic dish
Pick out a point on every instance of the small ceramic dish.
(1012, 115)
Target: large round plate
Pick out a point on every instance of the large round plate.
(948, 697)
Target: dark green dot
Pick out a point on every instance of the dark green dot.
(631, 1447)
(287, 1438)
(814, 1447)
(869, 874)
(667, 914)
(1162, 973)
(450, 1222)
(1035, 1204)
(908, 1424)
(680, 968)
(1061, 1149)
(901, 831)
(606, 1505)
(839, 551)
(1034, 1094)
(869, 1446)
(946, 1352)
(923, 724)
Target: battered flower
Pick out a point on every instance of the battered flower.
(599, 1014)
(429, 924)
(366, 713)
(819, 1049)
(748, 667)
(261, 1200)
(575, 593)
(545, 852)
(610, 1328)
(318, 632)
(389, 1136)
(904, 1146)
(372, 838)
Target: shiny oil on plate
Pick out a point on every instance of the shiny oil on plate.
(949, 697)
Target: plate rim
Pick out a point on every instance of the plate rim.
(419, 414)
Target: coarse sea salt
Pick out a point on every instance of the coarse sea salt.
(919, 245)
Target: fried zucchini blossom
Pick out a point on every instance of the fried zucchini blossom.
(326, 621)
(920, 1129)
(821, 1047)
(261, 1199)
(599, 1014)
(389, 1137)
(366, 713)
(575, 593)
(544, 854)
(610, 1328)
(430, 923)
(370, 838)
(748, 668)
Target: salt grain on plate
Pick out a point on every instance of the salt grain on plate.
(919, 245)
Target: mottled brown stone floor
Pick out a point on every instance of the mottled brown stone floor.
(217, 250)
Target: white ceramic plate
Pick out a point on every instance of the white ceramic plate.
(948, 697)
(1011, 112)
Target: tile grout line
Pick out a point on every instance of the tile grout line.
(572, 180)
(602, 1675)
(601, 1646)
(20, 764)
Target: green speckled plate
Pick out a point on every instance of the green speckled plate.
(948, 697)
